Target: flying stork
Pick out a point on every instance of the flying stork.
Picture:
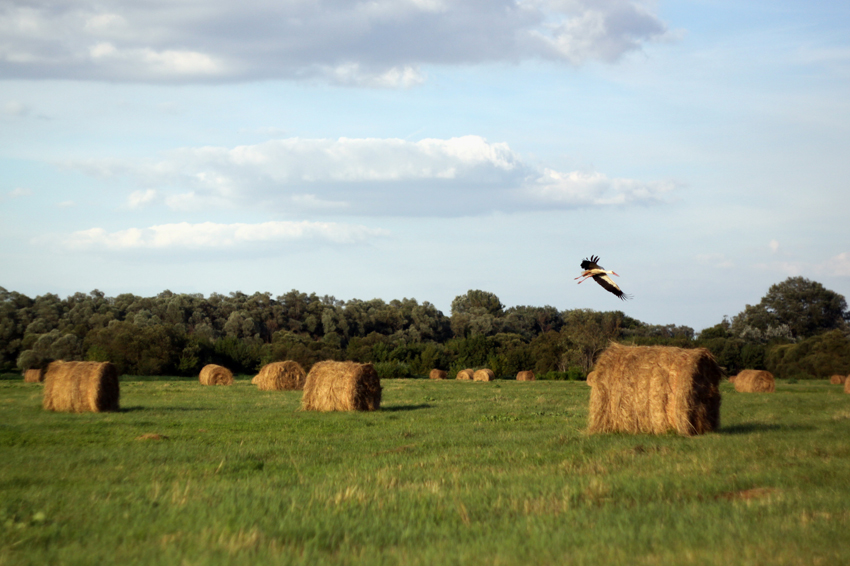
(593, 269)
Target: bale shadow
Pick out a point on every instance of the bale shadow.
(181, 409)
(749, 428)
(395, 408)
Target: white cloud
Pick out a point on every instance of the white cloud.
(774, 246)
(210, 235)
(141, 198)
(16, 108)
(837, 266)
(585, 189)
(66, 204)
(19, 192)
(372, 43)
(431, 177)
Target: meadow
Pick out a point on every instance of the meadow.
(446, 472)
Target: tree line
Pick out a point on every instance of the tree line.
(799, 329)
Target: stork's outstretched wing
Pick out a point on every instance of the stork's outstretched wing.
(608, 284)
(591, 263)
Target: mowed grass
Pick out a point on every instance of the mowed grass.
(446, 473)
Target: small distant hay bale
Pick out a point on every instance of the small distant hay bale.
(34, 376)
(438, 374)
(342, 386)
(525, 376)
(836, 379)
(483, 375)
(847, 384)
(755, 381)
(281, 376)
(212, 374)
(465, 374)
(81, 387)
(591, 377)
(654, 389)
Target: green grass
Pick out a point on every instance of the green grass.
(446, 473)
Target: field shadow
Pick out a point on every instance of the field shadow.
(181, 409)
(749, 428)
(395, 408)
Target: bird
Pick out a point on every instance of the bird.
(592, 268)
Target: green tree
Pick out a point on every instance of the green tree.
(797, 308)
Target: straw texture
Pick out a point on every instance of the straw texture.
(212, 374)
(755, 381)
(525, 376)
(465, 374)
(655, 389)
(437, 374)
(81, 387)
(483, 375)
(281, 376)
(342, 386)
(34, 376)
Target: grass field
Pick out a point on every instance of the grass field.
(446, 473)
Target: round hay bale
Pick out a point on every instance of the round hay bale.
(525, 376)
(654, 389)
(465, 374)
(342, 386)
(212, 374)
(755, 381)
(34, 376)
(281, 376)
(438, 374)
(847, 384)
(81, 387)
(591, 378)
(836, 380)
(483, 374)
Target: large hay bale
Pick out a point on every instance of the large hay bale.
(847, 384)
(438, 374)
(591, 377)
(81, 387)
(483, 375)
(525, 376)
(34, 376)
(212, 374)
(465, 374)
(654, 389)
(754, 381)
(836, 380)
(342, 386)
(280, 376)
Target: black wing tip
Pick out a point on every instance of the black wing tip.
(586, 263)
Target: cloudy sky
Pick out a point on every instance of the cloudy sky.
(422, 148)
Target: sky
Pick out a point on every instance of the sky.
(422, 148)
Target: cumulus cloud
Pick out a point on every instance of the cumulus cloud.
(141, 198)
(431, 177)
(837, 266)
(16, 108)
(18, 192)
(210, 235)
(375, 43)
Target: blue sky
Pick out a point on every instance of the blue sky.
(422, 148)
